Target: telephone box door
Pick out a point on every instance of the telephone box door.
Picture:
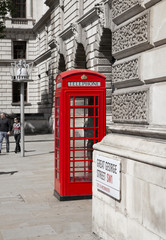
(85, 121)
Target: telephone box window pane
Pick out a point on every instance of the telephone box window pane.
(57, 102)
(79, 122)
(71, 122)
(57, 143)
(57, 122)
(79, 144)
(57, 174)
(86, 122)
(71, 177)
(57, 132)
(57, 153)
(85, 101)
(83, 112)
(82, 177)
(57, 111)
(57, 163)
(79, 154)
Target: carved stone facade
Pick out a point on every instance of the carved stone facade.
(122, 10)
(130, 107)
(133, 36)
(126, 73)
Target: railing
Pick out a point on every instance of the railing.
(19, 21)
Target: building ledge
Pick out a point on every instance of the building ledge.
(147, 150)
(18, 104)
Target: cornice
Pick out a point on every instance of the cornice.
(45, 18)
(42, 57)
(7, 62)
(88, 17)
(26, 34)
(67, 32)
(52, 3)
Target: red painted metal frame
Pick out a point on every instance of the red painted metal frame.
(65, 188)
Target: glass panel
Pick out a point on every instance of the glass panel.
(57, 122)
(57, 143)
(57, 174)
(71, 112)
(81, 166)
(85, 101)
(71, 177)
(57, 163)
(71, 101)
(57, 111)
(83, 176)
(57, 153)
(57, 132)
(79, 133)
(71, 123)
(79, 144)
(79, 154)
(80, 122)
(90, 148)
(57, 102)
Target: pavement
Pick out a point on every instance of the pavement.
(28, 208)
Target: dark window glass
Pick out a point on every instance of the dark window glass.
(19, 9)
(16, 92)
(19, 49)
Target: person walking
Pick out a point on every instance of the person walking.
(17, 134)
(5, 129)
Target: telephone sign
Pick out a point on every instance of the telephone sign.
(79, 123)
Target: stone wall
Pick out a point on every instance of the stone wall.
(138, 126)
(141, 213)
(138, 46)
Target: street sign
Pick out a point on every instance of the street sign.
(108, 176)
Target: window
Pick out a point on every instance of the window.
(19, 49)
(20, 9)
(16, 92)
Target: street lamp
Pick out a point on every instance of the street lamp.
(21, 72)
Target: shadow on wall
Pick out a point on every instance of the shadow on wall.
(45, 107)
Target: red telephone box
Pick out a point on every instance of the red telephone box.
(79, 123)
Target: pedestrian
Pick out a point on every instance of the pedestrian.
(5, 129)
(17, 134)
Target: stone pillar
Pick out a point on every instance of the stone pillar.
(29, 9)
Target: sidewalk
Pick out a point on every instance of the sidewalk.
(28, 209)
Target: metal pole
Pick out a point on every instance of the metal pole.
(22, 118)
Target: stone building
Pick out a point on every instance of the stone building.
(125, 40)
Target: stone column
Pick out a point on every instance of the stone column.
(28, 9)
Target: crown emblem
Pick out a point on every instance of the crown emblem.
(84, 77)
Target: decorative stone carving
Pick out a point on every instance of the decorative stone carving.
(125, 9)
(130, 107)
(132, 37)
(75, 30)
(121, 6)
(101, 13)
(126, 73)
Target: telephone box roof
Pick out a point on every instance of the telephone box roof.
(79, 71)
